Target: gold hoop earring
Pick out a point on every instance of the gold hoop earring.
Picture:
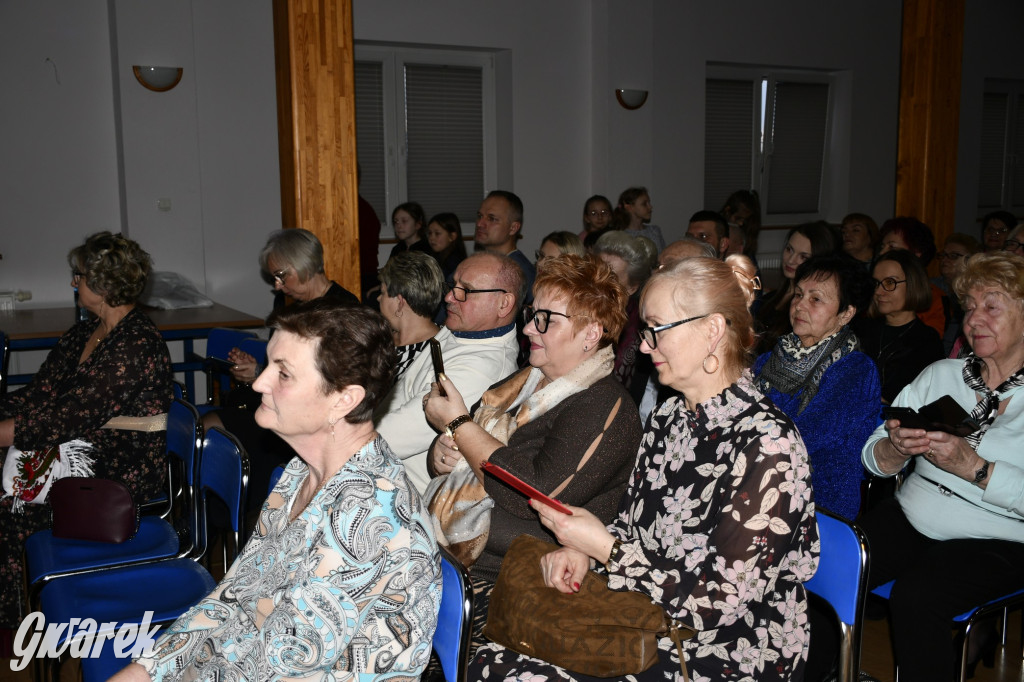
(704, 365)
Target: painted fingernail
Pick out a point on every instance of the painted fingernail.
(576, 586)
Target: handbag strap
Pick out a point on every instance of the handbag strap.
(590, 451)
(674, 632)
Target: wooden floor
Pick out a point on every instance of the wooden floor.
(876, 658)
(876, 654)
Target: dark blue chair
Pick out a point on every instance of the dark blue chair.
(841, 580)
(47, 558)
(218, 343)
(455, 618)
(966, 621)
(123, 595)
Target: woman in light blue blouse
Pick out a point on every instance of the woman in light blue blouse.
(953, 537)
(341, 578)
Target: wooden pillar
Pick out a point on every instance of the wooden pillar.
(316, 128)
(929, 120)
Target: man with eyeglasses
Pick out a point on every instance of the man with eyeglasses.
(499, 224)
(478, 347)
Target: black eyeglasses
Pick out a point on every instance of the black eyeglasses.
(76, 277)
(460, 293)
(992, 229)
(540, 317)
(647, 334)
(279, 275)
(889, 283)
(950, 255)
(1011, 245)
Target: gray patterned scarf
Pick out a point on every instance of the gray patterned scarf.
(791, 367)
(985, 412)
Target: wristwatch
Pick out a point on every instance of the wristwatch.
(615, 555)
(982, 473)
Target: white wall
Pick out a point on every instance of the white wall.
(210, 145)
(992, 49)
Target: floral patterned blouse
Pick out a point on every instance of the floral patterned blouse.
(717, 526)
(348, 590)
(129, 374)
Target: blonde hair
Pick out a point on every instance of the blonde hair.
(704, 286)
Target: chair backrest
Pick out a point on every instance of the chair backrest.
(183, 443)
(455, 618)
(4, 361)
(255, 347)
(841, 580)
(224, 471)
(220, 340)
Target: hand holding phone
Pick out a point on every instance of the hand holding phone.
(435, 355)
(522, 486)
(944, 414)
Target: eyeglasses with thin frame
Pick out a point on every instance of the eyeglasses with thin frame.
(540, 317)
(1011, 245)
(594, 214)
(76, 277)
(992, 229)
(950, 255)
(461, 293)
(280, 275)
(648, 334)
(889, 283)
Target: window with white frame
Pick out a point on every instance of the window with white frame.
(768, 130)
(1001, 169)
(425, 128)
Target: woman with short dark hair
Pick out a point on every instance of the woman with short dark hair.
(113, 364)
(341, 578)
(892, 334)
(817, 375)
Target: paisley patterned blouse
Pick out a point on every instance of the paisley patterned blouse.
(718, 527)
(348, 590)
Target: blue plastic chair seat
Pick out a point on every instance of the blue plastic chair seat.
(123, 595)
(156, 539)
(885, 590)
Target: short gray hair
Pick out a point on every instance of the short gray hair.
(296, 248)
(640, 254)
(417, 278)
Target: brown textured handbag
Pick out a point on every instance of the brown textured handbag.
(596, 631)
(93, 509)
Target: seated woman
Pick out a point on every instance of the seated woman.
(910, 234)
(859, 233)
(953, 537)
(892, 335)
(818, 377)
(633, 216)
(952, 259)
(557, 243)
(341, 578)
(717, 525)
(995, 229)
(293, 261)
(771, 311)
(444, 234)
(114, 364)
(409, 222)
(632, 259)
(411, 289)
(597, 217)
(563, 425)
(742, 210)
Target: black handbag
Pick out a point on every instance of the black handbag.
(94, 509)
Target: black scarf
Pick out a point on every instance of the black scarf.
(792, 368)
(985, 412)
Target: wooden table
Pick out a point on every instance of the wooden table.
(40, 328)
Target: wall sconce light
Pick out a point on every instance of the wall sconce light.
(158, 78)
(631, 99)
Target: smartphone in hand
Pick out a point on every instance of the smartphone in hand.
(435, 355)
(522, 486)
(944, 414)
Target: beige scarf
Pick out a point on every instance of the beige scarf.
(460, 508)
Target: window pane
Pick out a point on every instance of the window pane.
(444, 137)
(370, 133)
(730, 110)
(799, 120)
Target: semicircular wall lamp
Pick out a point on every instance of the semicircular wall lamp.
(157, 78)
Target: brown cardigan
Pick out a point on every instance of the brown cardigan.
(546, 451)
